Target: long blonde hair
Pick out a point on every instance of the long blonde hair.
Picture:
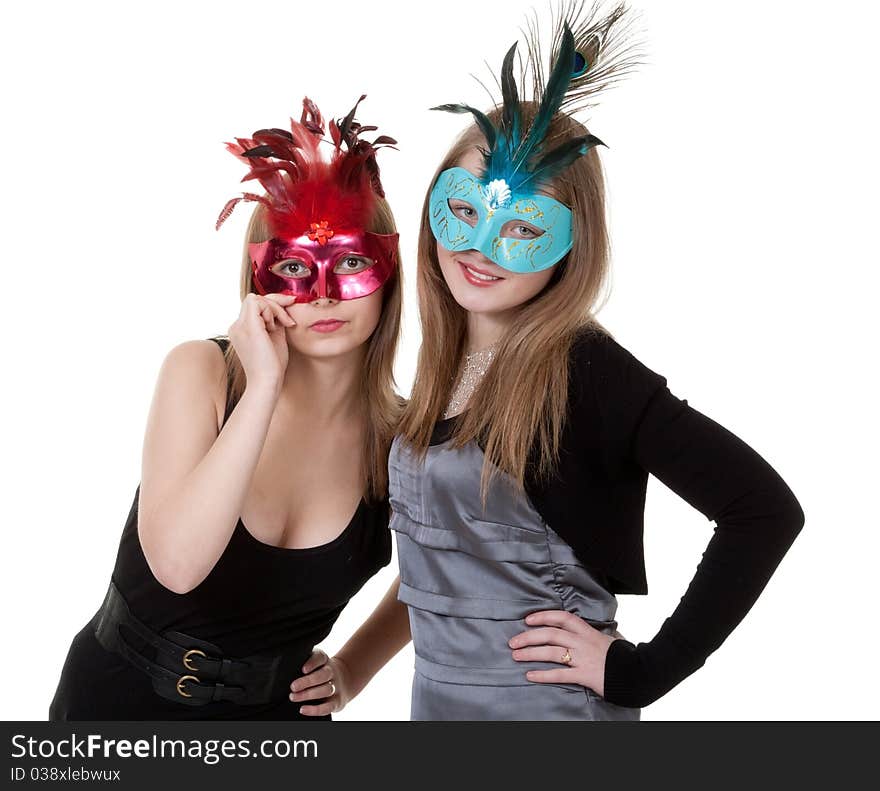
(523, 395)
(382, 406)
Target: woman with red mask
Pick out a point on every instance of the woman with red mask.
(262, 506)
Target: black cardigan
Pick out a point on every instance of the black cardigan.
(624, 423)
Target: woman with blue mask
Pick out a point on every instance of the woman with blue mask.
(517, 479)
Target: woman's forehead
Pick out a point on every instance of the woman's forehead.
(473, 160)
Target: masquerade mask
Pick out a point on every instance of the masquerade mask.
(317, 209)
(502, 214)
(324, 263)
(522, 233)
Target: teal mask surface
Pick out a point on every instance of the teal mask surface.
(523, 232)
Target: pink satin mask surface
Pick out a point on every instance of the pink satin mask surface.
(315, 264)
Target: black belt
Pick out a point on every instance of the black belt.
(187, 669)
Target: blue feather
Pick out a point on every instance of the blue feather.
(511, 117)
(554, 93)
(517, 156)
(554, 162)
(486, 126)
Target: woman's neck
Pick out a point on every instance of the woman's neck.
(485, 329)
(331, 386)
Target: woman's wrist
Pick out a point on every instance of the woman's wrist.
(623, 679)
(354, 684)
(267, 389)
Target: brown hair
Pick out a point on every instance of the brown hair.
(382, 405)
(523, 395)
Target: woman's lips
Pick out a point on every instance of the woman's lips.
(478, 277)
(327, 325)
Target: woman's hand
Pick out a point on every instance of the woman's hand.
(561, 635)
(325, 677)
(259, 338)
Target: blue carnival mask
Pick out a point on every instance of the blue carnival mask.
(492, 207)
(520, 160)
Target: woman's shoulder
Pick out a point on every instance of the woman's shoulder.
(610, 365)
(197, 358)
(195, 369)
(612, 385)
(219, 340)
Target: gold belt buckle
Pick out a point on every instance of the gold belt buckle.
(186, 658)
(180, 688)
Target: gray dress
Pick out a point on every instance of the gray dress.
(469, 579)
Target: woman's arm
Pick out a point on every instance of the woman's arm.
(194, 480)
(757, 518)
(337, 679)
(377, 640)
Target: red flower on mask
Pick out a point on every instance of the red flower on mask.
(320, 233)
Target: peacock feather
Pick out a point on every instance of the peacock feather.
(589, 52)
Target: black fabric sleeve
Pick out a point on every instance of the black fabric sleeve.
(757, 518)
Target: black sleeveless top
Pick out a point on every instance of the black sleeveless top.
(258, 598)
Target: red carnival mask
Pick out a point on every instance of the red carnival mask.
(317, 209)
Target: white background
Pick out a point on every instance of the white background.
(742, 174)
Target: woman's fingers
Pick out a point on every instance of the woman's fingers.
(320, 676)
(279, 304)
(271, 312)
(321, 691)
(562, 631)
(320, 709)
(251, 309)
(266, 308)
(281, 299)
(268, 315)
(545, 635)
(567, 675)
(318, 658)
(262, 351)
(540, 653)
(561, 618)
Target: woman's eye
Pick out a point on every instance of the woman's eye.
(352, 264)
(292, 267)
(464, 211)
(520, 230)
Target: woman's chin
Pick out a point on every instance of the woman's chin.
(323, 345)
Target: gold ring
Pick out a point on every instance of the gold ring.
(566, 657)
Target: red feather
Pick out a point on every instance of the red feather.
(268, 169)
(302, 186)
(227, 210)
(334, 133)
(233, 202)
(311, 117)
(281, 145)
